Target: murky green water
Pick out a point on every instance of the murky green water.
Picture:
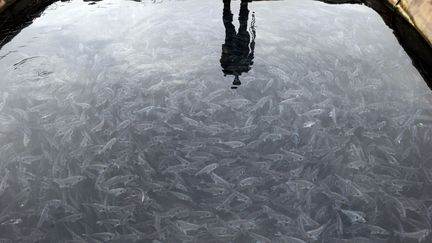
(130, 121)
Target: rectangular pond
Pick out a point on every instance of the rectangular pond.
(203, 121)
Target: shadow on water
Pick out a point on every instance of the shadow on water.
(238, 49)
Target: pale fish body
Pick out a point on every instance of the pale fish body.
(207, 169)
(354, 216)
(69, 182)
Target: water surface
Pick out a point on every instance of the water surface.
(119, 123)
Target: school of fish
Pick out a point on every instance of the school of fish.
(315, 155)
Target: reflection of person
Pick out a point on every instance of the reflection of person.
(238, 50)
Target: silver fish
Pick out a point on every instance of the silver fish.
(72, 218)
(13, 221)
(108, 145)
(207, 169)
(104, 236)
(123, 125)
(220, 181)
(249, 181)
(4, 182)
(176, 168)
(315, 233)
(417, 235)
(260, 238)
(301, 184)
(123, 179)
(182, 196)
(99, 126)
(241, 224)
(117, 191)
(69, 182)
(109, 222)
(234, 144)
(185, 226)
(293, 156)
(354, 216)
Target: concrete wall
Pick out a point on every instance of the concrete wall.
(418, 13)
(5, 3)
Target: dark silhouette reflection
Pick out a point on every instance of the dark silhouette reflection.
(238, 49)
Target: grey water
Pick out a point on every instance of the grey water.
(199, 121)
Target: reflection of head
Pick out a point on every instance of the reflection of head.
(236, 80)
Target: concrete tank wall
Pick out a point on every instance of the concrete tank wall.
(418, 13)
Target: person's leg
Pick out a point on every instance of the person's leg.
(243, 16)
(227, 4)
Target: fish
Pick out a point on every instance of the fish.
(69, 182)
(108, 146)
(354, 216)
(235, 173)
(175, 212)
(293, 156)
(207, 169)
(176, 168)
(185, 226)
(110, 222)
(237, 103)
(117, 191)
(249, 181)
(274, 157)
(201, 214)
(269, 84)
(309, 124)
(314, 234)
(13, 221)
(261, 102)
(221, 231)
(357, 164)
(104, 236)
(123, 125)
(419, 235)
(224, 205)
(377, 230)
(260, 238)
(215, 191)
(98, 126)
(332, 115)
(4, 182)
(314, 112)
(220, 181)
(279, 217)
(241, 224)
(182, 196)
(215, 94)
(190, 121)
(301, 184)
(72, 218)
(234, 144)
(143, 127)
(290, 239)
(120, 179)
